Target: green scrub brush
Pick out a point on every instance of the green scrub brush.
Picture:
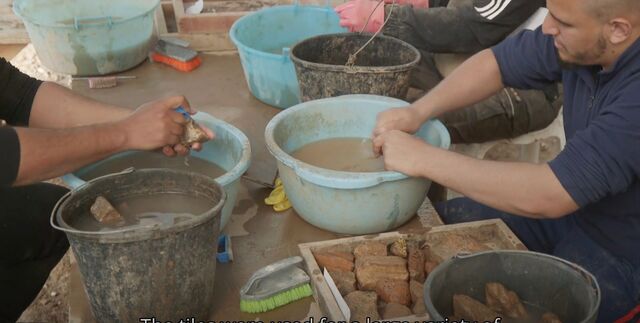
(275, 285)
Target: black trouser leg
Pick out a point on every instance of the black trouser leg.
(29, 247)
(508, 114)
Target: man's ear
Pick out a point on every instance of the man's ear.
(619, 30)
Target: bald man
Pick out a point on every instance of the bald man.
(583, 206)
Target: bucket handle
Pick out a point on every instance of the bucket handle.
(52, 220)
(92, 20)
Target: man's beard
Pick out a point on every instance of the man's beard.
(584, 58)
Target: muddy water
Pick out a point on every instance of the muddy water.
(144, 159)
(342, 154)
(158, 210)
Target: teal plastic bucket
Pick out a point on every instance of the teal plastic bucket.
(346, 202)
(81, 37)
(230, 150)
(264, 39)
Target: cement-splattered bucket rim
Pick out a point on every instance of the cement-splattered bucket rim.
(128, 234)
(355, 69)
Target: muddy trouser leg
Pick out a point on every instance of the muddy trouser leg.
(619, 281)
(29, 247)
(425, 75)
(508, 114)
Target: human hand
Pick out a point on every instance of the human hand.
(182, 148)
(404, 119)
(354, 15)
(194, 135)
(401, 152)
(414, 3)
(156, 124)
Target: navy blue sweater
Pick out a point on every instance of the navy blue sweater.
(600, 165)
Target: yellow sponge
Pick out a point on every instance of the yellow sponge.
(278, 198)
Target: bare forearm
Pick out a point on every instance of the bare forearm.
(47, 153)
(55, 106)
(519, 188)
(473, 81)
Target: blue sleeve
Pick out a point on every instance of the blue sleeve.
(528, 60)
(602, 159)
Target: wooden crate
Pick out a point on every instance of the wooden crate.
(492, 234)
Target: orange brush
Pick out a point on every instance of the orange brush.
(187, 66)
(178, 57)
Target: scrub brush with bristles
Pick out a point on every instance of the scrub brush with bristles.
(275, 285)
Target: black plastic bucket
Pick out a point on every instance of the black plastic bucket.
(166, 272)
(383, 67)
(542, 281)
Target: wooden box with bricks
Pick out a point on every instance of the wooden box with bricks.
(380, 277)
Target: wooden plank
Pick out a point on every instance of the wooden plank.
(160, 21)
(209, 22)
(503, 238)
(178, 11)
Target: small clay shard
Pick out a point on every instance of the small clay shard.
(345, 281)
(393, 310)
(394, 291)
(469, 309)
(415, 262)
(193, 134)
(504, 301)
(399, 248)
(371, 248)
(104, 212)
(549, 317)
(334, 260)
(363, 305)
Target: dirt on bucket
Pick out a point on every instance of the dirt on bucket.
(383, 67)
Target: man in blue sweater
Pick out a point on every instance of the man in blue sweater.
(584, 206)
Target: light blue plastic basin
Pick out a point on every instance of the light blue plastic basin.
(264, 39)
(82, 37)
(230, 150)
(345, 202)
